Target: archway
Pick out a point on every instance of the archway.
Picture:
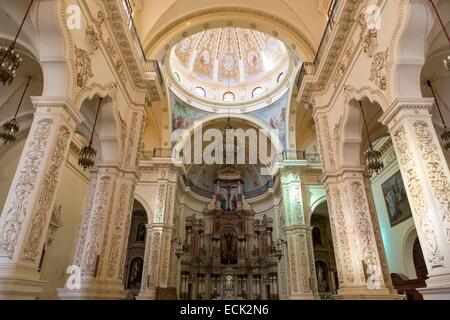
(325, 262)
(134, 263)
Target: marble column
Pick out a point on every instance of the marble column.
(159, 249)
(360, 257)
(427, 181)
(299, 265)
(26, 215)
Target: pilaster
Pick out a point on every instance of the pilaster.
(427, 181)
(300, 268)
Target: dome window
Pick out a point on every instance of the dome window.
(229, 97)
(200, 92)
(257, 92)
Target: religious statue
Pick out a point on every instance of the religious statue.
(234, 203)
(223, 203)
(321, 281)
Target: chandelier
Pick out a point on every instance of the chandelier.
(88, 153)
(447, 59)
(9, 58)
(446, 134)
(11, 127)
(373, 157)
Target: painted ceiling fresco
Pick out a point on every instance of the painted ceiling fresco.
(273, 116)
(230, 55)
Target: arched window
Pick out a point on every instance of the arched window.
(229, 97)
(257, 92)
(280, 76)
(200, 92)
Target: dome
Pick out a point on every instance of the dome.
(229, 65)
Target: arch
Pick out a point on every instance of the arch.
(200, 92)
(144, 204)
(158, 44)
(107, 133)
(53, 45)
(257, 92)
(408, 245)
(372, 94)
(229, 97)
(353, 135)
(183, 136)
(135, 273)
(314, 206)
(408, 49)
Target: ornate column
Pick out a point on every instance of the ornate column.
(427, 181)
(158, 250)
(28, 207)
(104, 231)
(360, 257)
(359, 253)
(300, 269)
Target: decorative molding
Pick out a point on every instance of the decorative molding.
(32, 249)
(92, 39)
(378, 71)
(83, 66)
(439, 181)
(432, 252)
(18, 207)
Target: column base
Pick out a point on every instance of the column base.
(94, 290)
(301, 296)
(20, 283)
(21, 289)
(438, 288)
(364, 293)
(149, 294)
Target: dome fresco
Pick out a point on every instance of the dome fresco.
(214, 63)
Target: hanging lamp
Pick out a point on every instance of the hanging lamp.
(11, 127)
(88, 153)
(373, 157)
(446, 134)
(10, 60)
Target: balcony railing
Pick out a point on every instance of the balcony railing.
(309, 68)
(149, 65)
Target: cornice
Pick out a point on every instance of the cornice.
(318, 80)
(401, 104)
(58, 102)
(231, 12)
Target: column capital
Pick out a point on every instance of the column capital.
(57, 106)
(344, 173)
(406, 108)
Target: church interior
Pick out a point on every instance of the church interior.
(201, 150)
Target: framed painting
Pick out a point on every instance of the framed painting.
(396, 201)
